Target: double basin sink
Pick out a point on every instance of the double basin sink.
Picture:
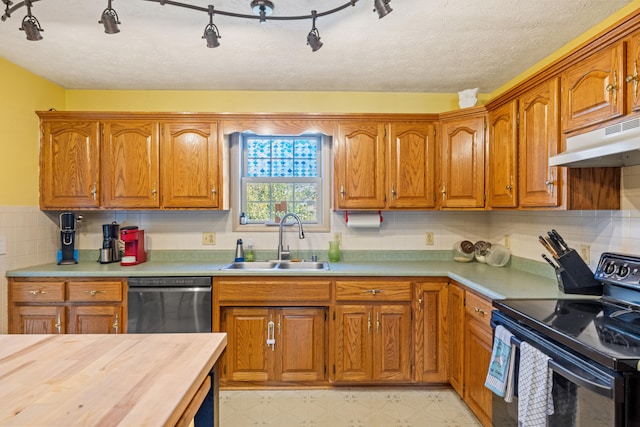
(278, 265)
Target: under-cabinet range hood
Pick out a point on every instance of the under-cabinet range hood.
(611, 146)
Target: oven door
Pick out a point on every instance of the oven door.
(169, 309)
(584, 394)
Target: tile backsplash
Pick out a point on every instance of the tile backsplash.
(32, 237)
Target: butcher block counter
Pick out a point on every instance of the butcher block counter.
(106, 380)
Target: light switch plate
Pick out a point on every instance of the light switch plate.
(3, 245)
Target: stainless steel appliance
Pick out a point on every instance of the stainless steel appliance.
(169, 305)
(110, 251)
(67, 238)
(593, 345)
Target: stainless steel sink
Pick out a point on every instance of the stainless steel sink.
(257, 265)
(303, 265)
(278, 265)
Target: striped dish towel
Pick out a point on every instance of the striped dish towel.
(535, 384)
(498, 373)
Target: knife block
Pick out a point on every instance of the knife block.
(575, 277)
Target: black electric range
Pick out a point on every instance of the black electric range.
(605, 330)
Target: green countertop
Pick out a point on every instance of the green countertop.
(493, 282)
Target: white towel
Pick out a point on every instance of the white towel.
(498, 374)
(535, 384)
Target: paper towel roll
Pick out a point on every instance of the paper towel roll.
(364, 220)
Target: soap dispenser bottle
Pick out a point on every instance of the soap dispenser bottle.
(239, 251)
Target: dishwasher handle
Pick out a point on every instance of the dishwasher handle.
(169, 289)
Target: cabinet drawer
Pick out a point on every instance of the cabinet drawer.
(478, 308)
(297, 291)
(34, 291)
(368, 290)
(94, 291)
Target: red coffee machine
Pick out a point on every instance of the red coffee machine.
(134, 252)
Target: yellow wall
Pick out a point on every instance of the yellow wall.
(22, 94)
(246, 101)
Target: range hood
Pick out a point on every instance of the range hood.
(612, 146)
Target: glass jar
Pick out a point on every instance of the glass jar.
(463, 251)
(498, 255)
(481, 248)
(334, 251)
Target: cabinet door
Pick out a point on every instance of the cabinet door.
(300, 343)
(411, 169)
(69, 164)
(353, 338)
(502, 157)
(360, 166)
(539, 139)
(130, 168)
(190, 165)
(431, 332)
(593, 89)
(462, 163)
(247, 357)
(26, 319)
(95, 319)
(456, 338)
(392, 343)
(478, 342)
(633, 72)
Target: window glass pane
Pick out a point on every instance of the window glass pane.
(305, 167)
(282, 168)
(259, 212)
(258, 192)
(282, 148)
(258, 167)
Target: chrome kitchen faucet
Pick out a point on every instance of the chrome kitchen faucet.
(282, 254)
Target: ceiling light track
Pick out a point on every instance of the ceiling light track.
(262, 11)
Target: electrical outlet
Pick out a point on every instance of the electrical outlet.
(337, 237)
(428, 238)
(209, 238)
(507, 241)
(585, 253)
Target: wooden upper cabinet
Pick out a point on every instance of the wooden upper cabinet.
(462, 160)
(360, 166)
(539, 139)
(593, 89)
(190, 165)
(69, 164)
(502, 157)
(130, 164)
(411, 168)
(632, 77)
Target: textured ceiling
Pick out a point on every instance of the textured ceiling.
(422, 46)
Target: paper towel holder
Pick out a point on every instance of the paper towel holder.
(346, 216)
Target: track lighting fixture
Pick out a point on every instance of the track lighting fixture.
(30, 25)
(110, 20)
(211, 34)
(382, 7)
(313, 38)
(262, 11)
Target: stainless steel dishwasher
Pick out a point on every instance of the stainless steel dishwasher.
(169, 305)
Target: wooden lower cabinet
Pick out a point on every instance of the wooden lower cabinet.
(456, 348)
(372, 343)
(274, 344)
(478, 343)
(78, 306)
(430, 332)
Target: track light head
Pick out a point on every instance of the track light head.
(262, 8)
(313, 38)
(30, 25)
(110, 20)
(211, 34)
(382, 7)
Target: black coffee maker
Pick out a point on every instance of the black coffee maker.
(110, 251)
(67, 238)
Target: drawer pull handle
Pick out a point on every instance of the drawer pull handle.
(480, 311)
(37, 292)
(373, 291)
(93, 292)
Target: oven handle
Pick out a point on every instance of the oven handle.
(602, 389)
(170, 289)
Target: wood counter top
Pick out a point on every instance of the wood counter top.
(104, 380)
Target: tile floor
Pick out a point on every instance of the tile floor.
(344, 408)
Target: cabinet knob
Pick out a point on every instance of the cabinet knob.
(116, 324)
(480, 311)
(342, 193)
(393, 191)
(634, 78)
(37, 292)
(93, 292)
(94, 191)
(613, 87)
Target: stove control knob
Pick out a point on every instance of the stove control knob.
(609, 268)
(623, 271)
